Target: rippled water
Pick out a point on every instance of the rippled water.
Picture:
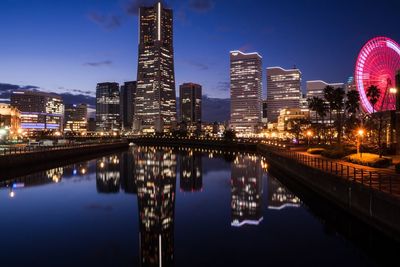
(159, 207)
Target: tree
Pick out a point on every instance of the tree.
(352, 104)
(373, 94)
(338, 105)
(329, 96)
(229, 134)
(318, 105)
(297, 126)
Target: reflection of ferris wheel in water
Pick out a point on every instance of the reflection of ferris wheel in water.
(376, 65)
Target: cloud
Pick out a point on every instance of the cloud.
(98, 64)
(201, 5)
(132, 8)
(198, 65)
(108, 22)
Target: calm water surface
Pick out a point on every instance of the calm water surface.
(187, 208)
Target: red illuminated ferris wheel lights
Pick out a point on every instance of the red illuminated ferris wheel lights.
(377, 64)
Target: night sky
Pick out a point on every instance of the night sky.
(71, 45)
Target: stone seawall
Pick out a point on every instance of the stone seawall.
(378, 209)
(21, 160)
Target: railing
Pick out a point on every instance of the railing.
(203, 139)
(378, 180)
(31, 149)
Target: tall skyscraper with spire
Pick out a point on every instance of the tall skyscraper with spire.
(155, 105)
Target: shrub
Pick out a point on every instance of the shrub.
(316, 150)
(334, 153)
(372, 160)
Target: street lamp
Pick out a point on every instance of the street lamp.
(360, 134)
(309, 135)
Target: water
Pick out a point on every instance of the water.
(187, 207)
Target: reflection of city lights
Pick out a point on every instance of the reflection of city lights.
(12, 194)
(83, 170)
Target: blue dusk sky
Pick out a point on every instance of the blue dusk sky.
(69, 46)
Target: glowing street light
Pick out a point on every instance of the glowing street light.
(393, 90)
(360, 135)
(309, 135)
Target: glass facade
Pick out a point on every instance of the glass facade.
(155, 104)
(283, 91)
(246, 89)
(107, 107)
(190, 102)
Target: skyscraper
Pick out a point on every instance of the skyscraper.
(127, 98)
(246, 87)
(155, 105)
(40, 111)
(190, 102)
(283, 90)
(107, 107)
(75, 118)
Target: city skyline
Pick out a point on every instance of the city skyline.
(104, 48)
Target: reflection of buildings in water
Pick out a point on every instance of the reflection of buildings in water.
(155, 174)
(108, 174)
(78, 169)
(128, 183)
(279, 197)
(191, 178)
(36, 179)
(246, 191)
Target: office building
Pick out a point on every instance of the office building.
(246, 90)
(288, 115)
(155, 105)
(283, 90)
(40, 111)
(75, 118)
(190, 103)
(264, 111)
(127, 104)
(10, 121)
(107, 107)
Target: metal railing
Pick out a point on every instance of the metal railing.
(34, 149)
(382, 181)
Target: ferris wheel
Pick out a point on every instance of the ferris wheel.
(377, 64)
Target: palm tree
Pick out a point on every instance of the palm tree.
(373, 94)
(330, 99)
(312, 105)
(352, 102)
(338, 105)
(317, 105)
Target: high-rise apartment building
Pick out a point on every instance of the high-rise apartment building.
(75, 118)
(190, 102)
(283, 90)
(246, 90)
(107, 107)
(155, 105)
(40, 111)
(127, 104)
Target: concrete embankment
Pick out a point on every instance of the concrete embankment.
(46, 155)
(378, 209)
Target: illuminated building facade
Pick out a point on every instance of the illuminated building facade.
(283, 90)
(246, 90)
(155, 105)
(155, 175)
(191, 177)
(289, 114)
(10, 121)
(247, 191)
(40, 111)
(127, 104)
(75, 118)
(107, 107)
(190, 102)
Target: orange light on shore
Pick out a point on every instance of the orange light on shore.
(361, 132)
